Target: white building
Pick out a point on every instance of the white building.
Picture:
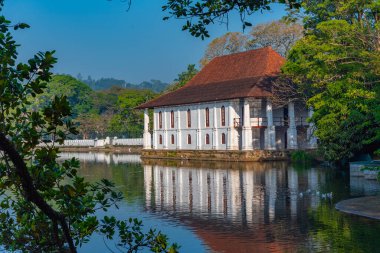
(227, 106)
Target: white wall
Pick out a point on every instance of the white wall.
(214, 130)
(233, 135)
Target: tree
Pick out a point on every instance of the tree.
(337, 62)
(79, 95)
(45, 205)
(127, 120)
(232, 42)
(183, 78)
(280, 35)
(200, 14)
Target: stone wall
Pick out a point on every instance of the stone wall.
(218, 155)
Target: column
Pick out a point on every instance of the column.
(199, 132)
(247, 129)
(311, 139)
(179, 135)
(270, 131)
(215, 129)
(165, 126)
(155, 124)
(147, 136)
(292, 130)
(230, 127)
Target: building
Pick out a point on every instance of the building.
(227, 106)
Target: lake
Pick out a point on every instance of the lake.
(236, 207)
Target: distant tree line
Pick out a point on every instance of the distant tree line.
(107, 83)
(108, 111)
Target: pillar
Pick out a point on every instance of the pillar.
(215, 129)
(230, 127)
(179, 134)
(147, 136)
(165, 124)
(292, 130)
(155, 126)
(311, 139)
(270, 131)
(247, 129)
(199, 131)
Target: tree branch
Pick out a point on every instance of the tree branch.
(31, 193)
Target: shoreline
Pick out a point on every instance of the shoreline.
(218, 155)
(368, 207)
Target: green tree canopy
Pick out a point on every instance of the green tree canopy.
(337, 63)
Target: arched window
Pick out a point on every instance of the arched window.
(188, 139)
(172, 119)
(160, 139)
(188, 118)
(223, 138)
(160, 119)
(172, 139)
(207, 139)
(223, 115)
(207, 117)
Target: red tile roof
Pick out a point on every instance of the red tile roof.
(240, 75)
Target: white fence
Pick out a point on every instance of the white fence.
(101, 142)
(127, 142)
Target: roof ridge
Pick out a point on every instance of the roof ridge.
(244, 52)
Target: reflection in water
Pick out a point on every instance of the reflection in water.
(240, 207)
(250, 207)
(223, 203)
(256, 193)
(107, 158)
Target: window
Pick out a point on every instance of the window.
(172, 139)
(160, 139)
(223, 115)
(160, 119)
(207, 139)
(223, 138)
(207, 117)
(189, 139)
(172, 119)
(188, 118)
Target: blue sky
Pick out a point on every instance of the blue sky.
(102, 39)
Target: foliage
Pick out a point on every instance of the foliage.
(301, 156)
(78, 94)
(183, 78)
(45, 205)
(231, 42)
(97, 113)
(200, 14)
(338, 64)
(128, 120)
(133, 239)
(280, 35)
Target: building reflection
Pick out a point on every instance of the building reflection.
(223, 200)
(253, 192)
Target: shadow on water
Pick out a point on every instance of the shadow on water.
(244, 207)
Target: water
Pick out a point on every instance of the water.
(237, 207)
